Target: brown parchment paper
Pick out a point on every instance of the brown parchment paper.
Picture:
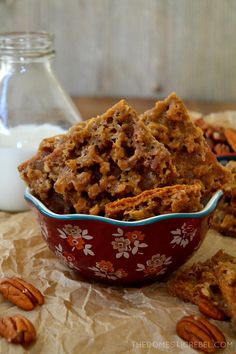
(80, 316)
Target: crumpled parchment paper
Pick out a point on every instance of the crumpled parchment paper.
(80, 316)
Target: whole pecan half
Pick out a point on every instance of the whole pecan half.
(21, 293)
(230, 135)
(209, 309)
(221, 149)
(200, 334)
(17, 329)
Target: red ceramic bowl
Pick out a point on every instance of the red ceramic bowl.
(123, 252)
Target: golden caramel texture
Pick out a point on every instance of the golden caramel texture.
(120, 155)
(224, 218)
(170, 199)
(171, 125)
(202, 280)
(106, 158)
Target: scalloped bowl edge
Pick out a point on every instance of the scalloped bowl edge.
(208, 209)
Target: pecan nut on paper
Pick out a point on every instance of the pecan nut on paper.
(200, 334)
(207, 307)
(17, 329)
(21, 293)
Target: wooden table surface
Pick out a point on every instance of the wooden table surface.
(92, 106)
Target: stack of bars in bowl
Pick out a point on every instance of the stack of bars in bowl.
(125, 166)
(126, 198)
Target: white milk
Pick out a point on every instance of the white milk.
(17, 145)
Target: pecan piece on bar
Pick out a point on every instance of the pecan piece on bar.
(17, 329)
(200, 334)
(230, 135)
(209, 309)
(21, 293)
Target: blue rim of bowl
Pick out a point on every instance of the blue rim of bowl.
(223, 159)
(207, 210)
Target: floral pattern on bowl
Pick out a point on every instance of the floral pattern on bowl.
(123, 252)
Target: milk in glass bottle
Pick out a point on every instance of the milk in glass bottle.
(33, 106)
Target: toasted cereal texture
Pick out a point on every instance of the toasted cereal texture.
(108, 157)
(226, 276)
(230, 187)
(200, 279)
(224, 218)
(38, 180)
(171, 199)
(171, 124)
(224, 222)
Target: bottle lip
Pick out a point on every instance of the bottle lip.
(23, 45)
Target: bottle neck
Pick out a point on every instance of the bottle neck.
(26, 47)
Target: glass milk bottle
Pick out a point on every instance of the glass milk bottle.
(33, 106)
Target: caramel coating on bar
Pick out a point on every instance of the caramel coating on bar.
(171, 125)
(171, 199)
(226, 275)
(120, 155)
(224, 218)
(106, 158)
(201, 284)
